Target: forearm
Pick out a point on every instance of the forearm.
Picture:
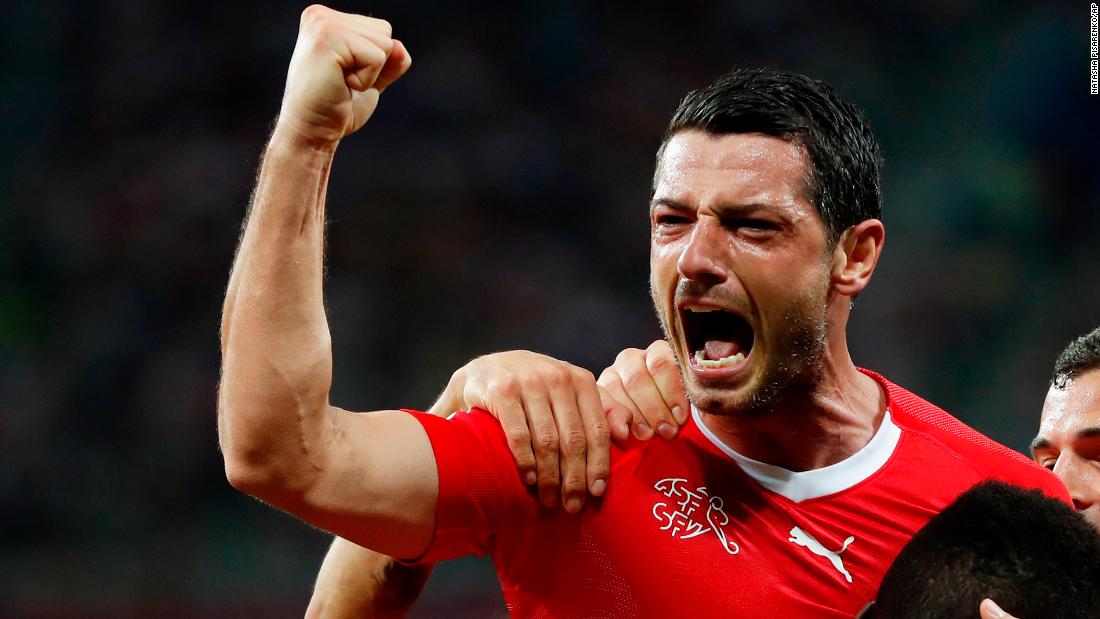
(276, 351)
(355, 582)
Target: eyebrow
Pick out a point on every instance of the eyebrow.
(675, 205)
(1086, 433)
(725, 208)
(1040, 443)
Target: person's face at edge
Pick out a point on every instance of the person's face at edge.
(1069, 440)
(732, 230)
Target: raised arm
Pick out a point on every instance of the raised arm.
(370, 478)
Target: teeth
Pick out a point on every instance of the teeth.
(717, 363)
(703, 310)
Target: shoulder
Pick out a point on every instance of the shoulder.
(943, 432)
(465, 438)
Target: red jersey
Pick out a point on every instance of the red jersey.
(691, 527)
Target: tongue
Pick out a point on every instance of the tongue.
(719, 349)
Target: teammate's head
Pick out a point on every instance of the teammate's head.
(1030, 554)
(1069, 430)
(765, 214)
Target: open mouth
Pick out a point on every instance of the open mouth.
(715, 337)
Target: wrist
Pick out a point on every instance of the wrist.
(286, 138)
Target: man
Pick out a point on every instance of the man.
(1032, 554)
(792, 488)
(1069, 429)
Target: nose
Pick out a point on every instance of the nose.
(701, 259)
(1078, 478)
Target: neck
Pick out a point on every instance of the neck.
(815, 429)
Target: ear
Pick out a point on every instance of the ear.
(855, 256)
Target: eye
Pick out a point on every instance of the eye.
(668, 219)
(755, 228)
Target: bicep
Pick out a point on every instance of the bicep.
(378, 485)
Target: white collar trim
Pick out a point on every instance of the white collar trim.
(800, 486)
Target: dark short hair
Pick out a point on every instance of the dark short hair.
(1082, 355)
(1032, 555)
(843, 180)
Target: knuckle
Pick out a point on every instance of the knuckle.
(312, 12)
(573, 484)
(375, 54)
(518, 437)
(324, 32)
(581, 375)
(656, 364)
(659, 346)
(627, 354)
(527, 382)
(574, 443)
(558, 376)
(635, 380)
(600, 433)
(505, 386)
(546, 444)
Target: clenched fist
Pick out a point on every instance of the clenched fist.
(341, 64)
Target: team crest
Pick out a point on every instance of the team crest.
(690, 513)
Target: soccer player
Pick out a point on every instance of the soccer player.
(1069, 429)
(1030, 553)
(789, 492)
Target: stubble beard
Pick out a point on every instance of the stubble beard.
(794, 369)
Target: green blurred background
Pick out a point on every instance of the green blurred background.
(497, 200)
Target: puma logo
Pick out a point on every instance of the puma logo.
(802, 538)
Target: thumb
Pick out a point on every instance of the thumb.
(989, 610)
(618, 416)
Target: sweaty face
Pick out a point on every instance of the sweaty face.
(1069, 440)
(739, 269)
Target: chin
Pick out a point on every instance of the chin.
(719, 401)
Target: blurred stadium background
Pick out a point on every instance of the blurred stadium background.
(496, 201)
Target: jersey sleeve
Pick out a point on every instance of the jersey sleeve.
(1033, 476)
(480, 491)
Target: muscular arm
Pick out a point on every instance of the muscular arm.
(355, 582)
(371, 477)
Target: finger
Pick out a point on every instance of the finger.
(366, 23)
(544, 438)
(662, 366)
(367, 60)
(396, 65)
(571, 440)
(647, 397)
(618, 415)
(377, 31)
(990, 610)
(380, 33)
(621, 417)
(513, 419)
(612, 382)
(596, 432)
